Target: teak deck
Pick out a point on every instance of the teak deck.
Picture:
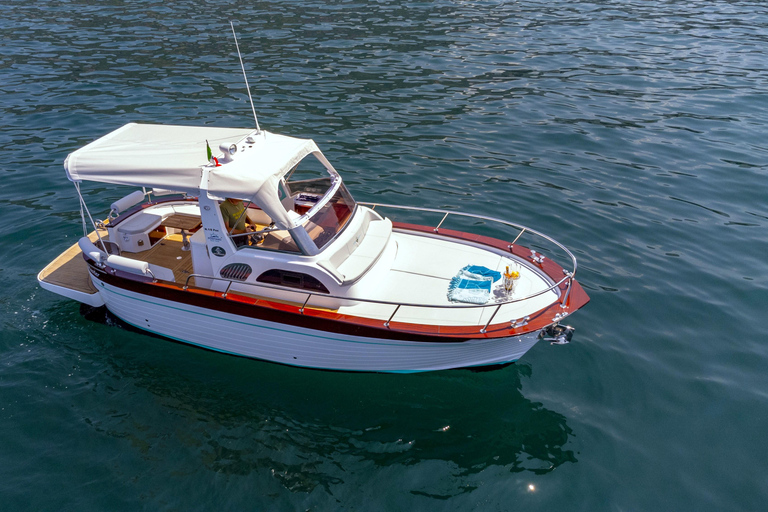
(69, 269)
(167, 253)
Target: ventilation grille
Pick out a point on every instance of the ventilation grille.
(236, 271)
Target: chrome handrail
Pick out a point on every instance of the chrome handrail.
(359, 299)
(446, 213)
(397, 305)
(569, 276)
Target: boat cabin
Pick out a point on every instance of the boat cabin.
(293, 221)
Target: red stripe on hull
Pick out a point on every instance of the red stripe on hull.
(328, 321)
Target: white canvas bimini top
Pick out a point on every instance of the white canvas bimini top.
(173, 157)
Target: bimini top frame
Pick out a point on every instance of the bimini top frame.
(248, 165)
(172, 158)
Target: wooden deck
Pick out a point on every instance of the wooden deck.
(69, 269)
(167, 253)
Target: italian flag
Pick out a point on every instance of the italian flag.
(210, 154)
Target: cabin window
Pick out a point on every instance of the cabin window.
(292, 280)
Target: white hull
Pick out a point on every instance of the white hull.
(91, 299)
(298, 346)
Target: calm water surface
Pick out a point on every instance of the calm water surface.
(632, 131)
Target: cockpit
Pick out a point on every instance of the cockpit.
(302, 212)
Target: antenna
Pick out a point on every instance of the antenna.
(247, 87)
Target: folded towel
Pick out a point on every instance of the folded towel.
(482, 271)
(472, 284)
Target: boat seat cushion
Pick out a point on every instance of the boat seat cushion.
(279, 240)
(139, 223)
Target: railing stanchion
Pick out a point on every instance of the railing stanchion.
(309, 295)
(441, 222)
(564, 303)
(517, 237)
(491, 319)
(386, 324)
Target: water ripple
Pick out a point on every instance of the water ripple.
(632, 131)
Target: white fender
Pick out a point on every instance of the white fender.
(90, 250)
(126, 202)
(141, 268)
(128, 265)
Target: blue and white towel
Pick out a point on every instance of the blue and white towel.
(472, 284)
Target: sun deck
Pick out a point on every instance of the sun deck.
(421, 273)
(68, 275)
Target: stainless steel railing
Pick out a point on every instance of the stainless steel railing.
(446, 213)
(569, 275)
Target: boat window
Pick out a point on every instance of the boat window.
(280, 240)
(263, 237)
(331, 218)
(292, 280)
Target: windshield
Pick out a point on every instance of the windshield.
(327, 222)
(311, 196)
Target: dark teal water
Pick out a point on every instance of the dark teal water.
(632, 131)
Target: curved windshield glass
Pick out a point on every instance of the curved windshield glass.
(311, 195)
(327, 222)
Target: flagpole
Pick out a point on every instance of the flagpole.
(247, 87)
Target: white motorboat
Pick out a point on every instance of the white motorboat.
(316, 279)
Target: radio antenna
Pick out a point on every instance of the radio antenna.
(247, 87)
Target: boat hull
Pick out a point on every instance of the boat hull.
(301, 346)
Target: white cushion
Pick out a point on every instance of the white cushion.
(139, 223)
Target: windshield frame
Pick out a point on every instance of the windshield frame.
(336, 194)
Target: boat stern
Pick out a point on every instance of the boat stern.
(68, 276)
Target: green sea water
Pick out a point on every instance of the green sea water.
(634, 132)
